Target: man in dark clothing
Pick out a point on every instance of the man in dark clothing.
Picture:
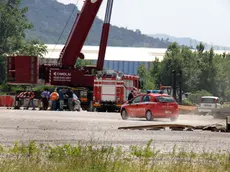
(61, 99)
(70, 99)
(45, 99)
(130, 95)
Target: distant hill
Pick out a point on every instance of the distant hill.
(187, 41)
(49, 18)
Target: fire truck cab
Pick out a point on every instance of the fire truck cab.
(111, 90)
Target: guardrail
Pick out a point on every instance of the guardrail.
(8, 101)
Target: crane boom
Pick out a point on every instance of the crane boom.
(104, 35)
(79, 33)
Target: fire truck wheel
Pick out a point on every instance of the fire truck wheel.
(124, 114)
(149, 116)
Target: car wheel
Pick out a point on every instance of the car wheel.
(149, 116)
(124, 114)
(174, 118)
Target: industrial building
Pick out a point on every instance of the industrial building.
(124, 59)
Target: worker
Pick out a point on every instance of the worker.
(130, 97)
(135, 91)
(69, 95)
(45, 99)
(61, 99)
(54, 96)
(19, 100)
(30, 95)
(77, 103)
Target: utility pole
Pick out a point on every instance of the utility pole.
(180, 87)
(174, 83)
(177, 85)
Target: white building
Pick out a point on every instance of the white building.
(125, 59)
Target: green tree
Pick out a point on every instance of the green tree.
(146, 78)
(200, 48)
(13, 24)
(190, 70)
(81, 62)
(32, 48)
(154, 71)
(208, 71)
(172, 61)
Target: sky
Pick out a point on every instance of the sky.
(204, 20)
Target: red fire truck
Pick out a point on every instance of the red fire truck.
(111, 90)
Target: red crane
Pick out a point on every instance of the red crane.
(26, 69)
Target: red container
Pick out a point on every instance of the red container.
(22, 69)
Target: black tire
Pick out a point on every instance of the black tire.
(149, 115)
(174, 118)
(124, 114)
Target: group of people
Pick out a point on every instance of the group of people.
(57, 98)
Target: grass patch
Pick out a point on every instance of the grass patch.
(94, 158)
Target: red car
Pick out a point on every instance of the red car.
(150, 106)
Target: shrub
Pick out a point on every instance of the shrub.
(187, 102)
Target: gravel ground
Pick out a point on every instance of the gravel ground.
(71, 127)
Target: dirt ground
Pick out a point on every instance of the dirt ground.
(71, 127)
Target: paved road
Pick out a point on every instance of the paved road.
(70, 127)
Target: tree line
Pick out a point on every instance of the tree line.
(202, 70)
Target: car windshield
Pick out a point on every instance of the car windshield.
(165, 99)
(208, 100)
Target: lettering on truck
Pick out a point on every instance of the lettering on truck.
(62, 76)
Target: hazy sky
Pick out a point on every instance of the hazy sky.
(205, 20)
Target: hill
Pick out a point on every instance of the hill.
(187, 41)
(49, 18)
